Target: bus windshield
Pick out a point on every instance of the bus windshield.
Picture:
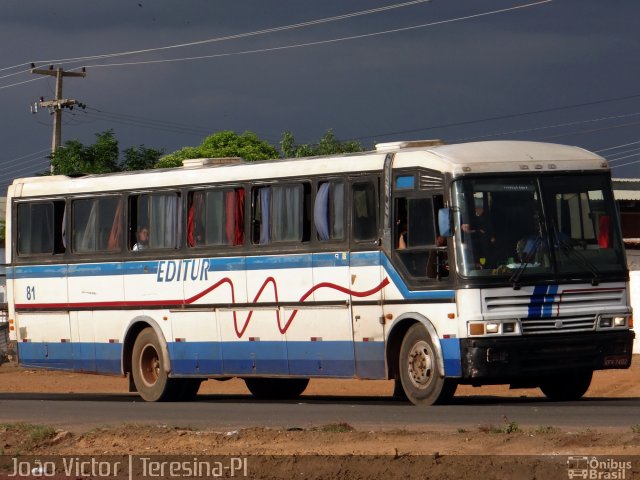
(521, 226)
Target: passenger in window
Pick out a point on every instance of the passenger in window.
(143, 239)
(402, 234)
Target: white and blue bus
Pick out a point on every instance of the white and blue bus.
(434, 265)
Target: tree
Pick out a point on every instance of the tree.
(328, 145)
(74, 158)
(140, 158)
(223, 144)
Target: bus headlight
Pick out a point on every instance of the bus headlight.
(508, 327)
(619, 321)
(605, 322)
(493, 327)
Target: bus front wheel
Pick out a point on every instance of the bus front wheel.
(276, 388)
(563, 388)
(418, 365)
(147, 367)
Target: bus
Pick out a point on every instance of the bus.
(433, 265)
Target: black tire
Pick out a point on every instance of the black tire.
(418, 366)
(148, 369)
(276, 388)
(567, 387)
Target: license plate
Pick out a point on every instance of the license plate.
(616, 361)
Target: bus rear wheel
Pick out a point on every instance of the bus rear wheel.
(418, 365)
(276, 388)
(148, 369)
(567, 387)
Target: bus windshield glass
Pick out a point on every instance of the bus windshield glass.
(502, 229)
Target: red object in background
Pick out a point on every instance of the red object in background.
(604, 236)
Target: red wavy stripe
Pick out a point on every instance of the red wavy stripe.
(239, 331)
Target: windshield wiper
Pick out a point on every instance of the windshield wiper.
(529, 255)
(568, 250)
(571, 253)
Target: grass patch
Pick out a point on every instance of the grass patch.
(33, 433)
(635, 428)
(39, 433)
(545, 429)
(462, 430)
(337, 428)
(507, 427)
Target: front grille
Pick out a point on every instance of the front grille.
(554, 308)
(558, 324)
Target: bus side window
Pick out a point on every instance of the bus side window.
(364, 211)
(41, 228)
(328, 211)
(96, 224)
(160, 215)
(216, 217)
(279, 214)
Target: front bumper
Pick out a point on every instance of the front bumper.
(513, 359)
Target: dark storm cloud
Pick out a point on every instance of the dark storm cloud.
(557, 54)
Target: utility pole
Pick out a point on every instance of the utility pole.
(58, 103)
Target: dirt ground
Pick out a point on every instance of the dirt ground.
(450, 454)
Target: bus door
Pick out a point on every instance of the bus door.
(366, 280)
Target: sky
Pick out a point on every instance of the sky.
(562, 71)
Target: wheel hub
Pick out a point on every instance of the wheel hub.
(420, 364)
(149, 365)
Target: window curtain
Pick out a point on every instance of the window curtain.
(337, 192)
(87, 240)
(265, 201)
(230, 217)
(239, 227)
(321, 211)
(286, 213)
(113, 243)
(214, 218)
(195, 229)
(164, 221)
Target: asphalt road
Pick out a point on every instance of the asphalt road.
(230, 412)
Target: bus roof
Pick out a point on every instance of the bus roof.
(456, 159)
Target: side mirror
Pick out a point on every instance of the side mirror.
(444, 222)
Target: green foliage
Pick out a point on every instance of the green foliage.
(223, 144)
(635, 428)
(3, 227)
(340, 427)
(327, 145)
(75, 158)
(140, 158)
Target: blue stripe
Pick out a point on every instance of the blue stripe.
(536, 302)
(547, 308)
(451, 355)
(279, 261)
(96, 269)
(330, 259)
(82, 357)
(356, 259)
(409, 294)
(314, 359)
(370, 360)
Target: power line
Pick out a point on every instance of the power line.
(621, 152)
(228, 37)
(322, 42)
(500, 117)
(558, 125)
(626, 164)
(617, 146)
